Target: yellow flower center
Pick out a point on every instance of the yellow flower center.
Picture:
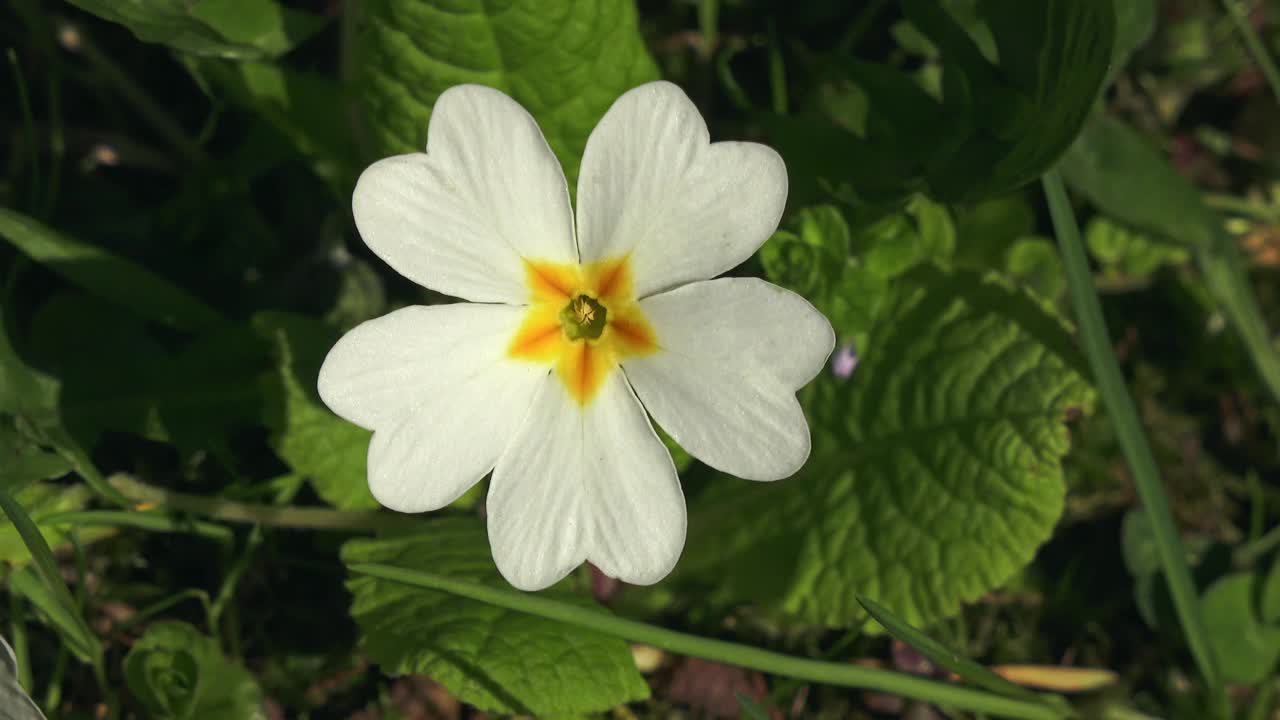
(584, 319)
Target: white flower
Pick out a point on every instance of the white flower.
(545, 376)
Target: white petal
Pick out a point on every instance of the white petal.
(435, 386)
(734, 352)
(590, 483)
(654, 186)
(459, 218)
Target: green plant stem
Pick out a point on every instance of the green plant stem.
(28, 123)
(1247, 554)
(841, 674)
(1226, 276)
(1133, 441)
(777, 73)
(18, 632)
(1240, 17)
(709, 26)
(272, 515)
(152, 521)
(860, 25)
(148, 109)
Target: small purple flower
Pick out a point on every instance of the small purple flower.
(844, 361)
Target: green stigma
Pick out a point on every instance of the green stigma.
(583, 318)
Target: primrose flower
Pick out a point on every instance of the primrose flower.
(573, 332)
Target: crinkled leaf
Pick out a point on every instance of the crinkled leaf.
(15, 703)
(220, 28)
(498, 660)
(178, 673)
(107, 275)
(331, 452)
(566, 62)
(1246, 649)
(935, 472)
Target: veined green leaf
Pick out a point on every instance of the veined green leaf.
(220, 28)
(22, 462)
(107, 275)
(178, 673)
(935, 471)
(495, 659)
(564, 61)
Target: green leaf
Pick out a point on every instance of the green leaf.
(307, 109)
(178, 673)
(564, 62)
(331, 452)
(23, 462)
(498, 660)
(1131, 181)
(1135, 23)
(810, 253)
(1269, 602)
(968, 670)
(1034, 262)
(192, 398)
(1246, 649)
(1123, 252)
(935, 469)
(17, 704)
(106, 275)
(219, 28)
(1025, 111)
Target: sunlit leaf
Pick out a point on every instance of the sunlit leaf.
(935, 471)
(329, 451)
(497, 660)
(565, 62)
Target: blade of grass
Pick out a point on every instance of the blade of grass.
(842, 674)
(1240, 17)
(59, 598)
(1133, 441)
(968, 670)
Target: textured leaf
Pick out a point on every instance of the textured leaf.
(15, 703)
(1033, 261)
(565, 61)
(329, 451)
(1246, 649)
(935, 472)
(178, 673)
(221, 28)
(106, 275)
(495, 659)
